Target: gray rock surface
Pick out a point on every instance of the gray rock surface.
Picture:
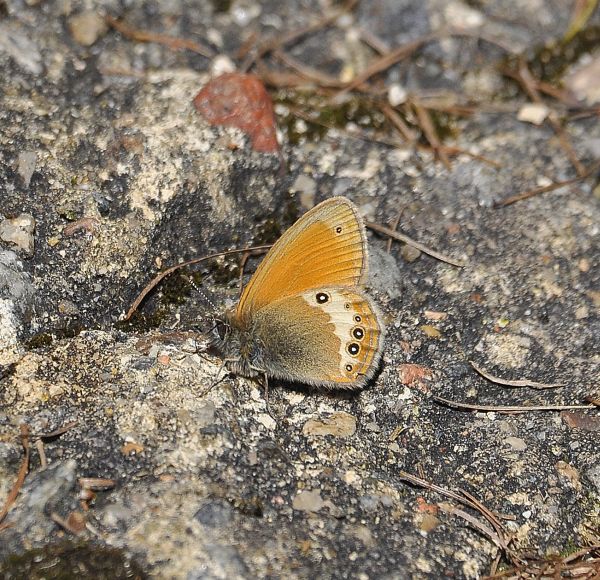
(123, 178)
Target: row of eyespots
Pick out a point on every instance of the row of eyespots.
(358, 332)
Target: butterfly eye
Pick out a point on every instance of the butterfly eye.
(322, 297)
(358, 333)
(353, 348)
(221, 329)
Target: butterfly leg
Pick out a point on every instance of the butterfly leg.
(265, 385)
(217, 380)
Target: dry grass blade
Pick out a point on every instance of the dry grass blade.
(556, 185)
(430, 133)
(176, 267)
(97, 483)
(170, 41)
(295, 35)
(385, 62)
(517, 383)
(485, 530)
(508, 409)
(499, 536)
(398, 122)
(308, 72)
(73, 524)
(404, 51)
(582, 565)
(57, 432)
(451, 150)
(23, 470)
(402, 238)
(529, 85)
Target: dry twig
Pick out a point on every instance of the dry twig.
(509, 409)
(291, 37)
(529, 85)
(556, 185)
(176, 267)
(23, 470)
(517, 383)
(404, 51)
(171, 42)
(430, 133)
(403, 238)
(498, 535)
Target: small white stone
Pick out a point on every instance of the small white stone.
(267, 421)
(222, 64)
(397, 95)
(534, 113)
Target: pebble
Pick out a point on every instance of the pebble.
(339, 424)
(214, 514)
(397, 95)
(308, 501)
(86, 28)
(19, 231)
(516, 443)
(306, 187)
(410, 253)
(584, 81)
(533, 113)
(26, 166)
(593, 475)
(21, 48)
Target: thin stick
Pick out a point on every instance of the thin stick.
(489, 515)
(172, 269)
(39, 445)
(296, 35)
(394, 225)
(403, 238)
(23, 470)
(485, 530)
(170, 41)
(517, 383)
(397, 121)
(556, 185)
(528, 83)
(509, 409)
(59, 431)
(308, 72)
(450, 150)
(243, 261)
(430, 133)
(406, 50)
(65, 524)
(499, 536)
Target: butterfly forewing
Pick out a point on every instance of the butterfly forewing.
(326, 247)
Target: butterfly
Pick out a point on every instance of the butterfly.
(304, 316)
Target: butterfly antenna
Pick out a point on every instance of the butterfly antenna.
(202, 293)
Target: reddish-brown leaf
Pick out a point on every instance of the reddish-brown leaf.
(240, 100)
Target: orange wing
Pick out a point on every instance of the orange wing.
(325, 247)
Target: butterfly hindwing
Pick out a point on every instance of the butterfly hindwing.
(329, 337)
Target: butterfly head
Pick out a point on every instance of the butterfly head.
(233, 344)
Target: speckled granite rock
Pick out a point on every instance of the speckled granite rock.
(122, 178)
